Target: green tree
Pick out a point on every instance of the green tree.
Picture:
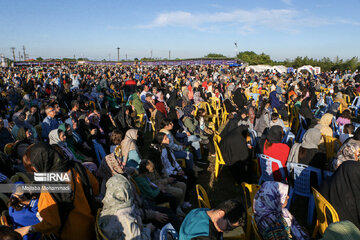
(39, 59)
(215, 55)
(252, 58)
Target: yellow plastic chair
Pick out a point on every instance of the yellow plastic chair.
(19, 176)
(321, 205)
(8, 147)
(255, 229)
(249, 192)
(330, 146)
(99, 233)
(4, 219)
(202, 197)
(141, 119)
(347, 99)
(181, 162)
(92, 103)
(225, 115)
(219, 158)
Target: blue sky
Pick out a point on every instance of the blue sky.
(93, 29)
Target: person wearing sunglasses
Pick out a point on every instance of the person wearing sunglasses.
(204, 223)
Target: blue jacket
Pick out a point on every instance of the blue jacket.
(26, 217)
(275, 102)
(48, 125)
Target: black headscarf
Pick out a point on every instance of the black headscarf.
(239, 98)
(233, 146)
(343, 191)
(306, 112)
(275, 134)
(44, 158)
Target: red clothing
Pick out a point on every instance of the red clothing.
(279, 151)
(160, 106)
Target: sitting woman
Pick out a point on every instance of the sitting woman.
(170, 168)
(263, 117)
(192, 130)
(57, 137)
(348, 152)
(155, 192)
(119, 218)
(65, 215)
(273, 147)
(272, 218)
(344, 119)
(23, 211)
(177, 148)
(342, 191)
(236, 154)
(129, 149)
(308, 152)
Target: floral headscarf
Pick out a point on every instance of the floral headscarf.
(268, 209)
(347, 152)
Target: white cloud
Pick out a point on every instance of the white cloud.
(277, 18)
(244, 21)
(288, 2)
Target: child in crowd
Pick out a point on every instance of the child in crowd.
(276, 121)
(348, 132)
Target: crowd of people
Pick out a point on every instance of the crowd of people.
(134, 139)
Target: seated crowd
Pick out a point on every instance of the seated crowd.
(135, 140)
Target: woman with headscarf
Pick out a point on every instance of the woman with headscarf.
(334, 109)
(239, 98)
(169, 166)
(129, 149)
(263, 117)
(23, 140)
(324, 125)
(273, 147)
(272, 218)
(119, 218)
(137, 103)
(65, 215)
(197, 98)
(348, 152)
(192, 129)
(325, 129)
(161, 104)
(306, 112)
(235, 153)
(307, 152)
(20, 122)
(57, 137)
(342, 190)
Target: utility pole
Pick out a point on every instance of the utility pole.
(118, 49)
(24, 53)
(236, 49)
(19, 56)
(169, 54)
(13, 52)
(150, 53)
(126, 57)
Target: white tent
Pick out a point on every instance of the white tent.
(308, 68)
(262, 68)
